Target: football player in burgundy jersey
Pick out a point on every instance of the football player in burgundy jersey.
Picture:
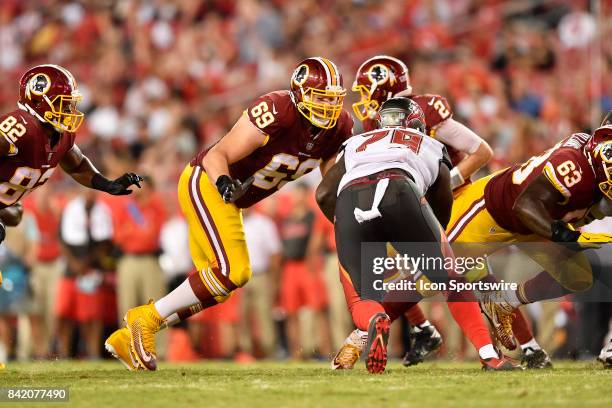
(536, 200)
(378, 79)
(382, 77)
(39, 136)
(280, 137)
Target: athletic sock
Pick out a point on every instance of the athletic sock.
(530, 345)
(184, 314)
(180, 298)
(415, 316)
(396, 309)
(541, 287)
(420, 327)
(488, 351)
(362, 311)
(521, 328)
(468, 317)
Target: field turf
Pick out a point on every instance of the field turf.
(281, 384)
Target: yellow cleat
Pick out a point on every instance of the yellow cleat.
(143, 322)
(351, 349)
(0, 279)
(500, 314)
(118, 344)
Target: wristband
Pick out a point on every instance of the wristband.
(99, 182)
(456, 179)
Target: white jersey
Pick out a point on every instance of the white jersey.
(393, 148)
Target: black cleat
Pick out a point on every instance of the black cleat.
(422, 343)
(535, 359)
(605, 357)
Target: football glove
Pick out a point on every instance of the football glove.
(565, 233)
(594, 238)
(2, 231)
(230, 189)
(119, 186)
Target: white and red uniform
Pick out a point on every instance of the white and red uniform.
(393, 148)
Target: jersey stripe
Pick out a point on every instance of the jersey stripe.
(549, 173)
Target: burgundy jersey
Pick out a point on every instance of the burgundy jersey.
(564, 165)
(31, 159)
(293, 146)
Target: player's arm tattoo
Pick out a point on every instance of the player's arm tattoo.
(531, 206)
(440, 196)
(327, 190)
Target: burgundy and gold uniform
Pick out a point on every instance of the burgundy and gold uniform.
(382, 77)
(303, 127)
(483, 211)
(292, 149)
(33, 155)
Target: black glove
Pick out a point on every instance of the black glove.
(562, 233)
(230, 189)
(119, 186)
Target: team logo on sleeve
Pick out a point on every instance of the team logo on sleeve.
(300, 75)
(39, 84)
(379, 74)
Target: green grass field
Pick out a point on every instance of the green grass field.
(220, 384)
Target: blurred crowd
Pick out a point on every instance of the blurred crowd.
(161, 79)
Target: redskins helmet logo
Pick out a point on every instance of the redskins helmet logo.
(300, 75)
(379, 74)
(605, 151)
(39, 84)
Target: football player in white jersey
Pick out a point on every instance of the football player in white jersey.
(380, 192)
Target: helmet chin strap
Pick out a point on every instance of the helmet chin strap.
(28, 108)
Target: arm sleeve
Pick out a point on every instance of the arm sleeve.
(458, 136)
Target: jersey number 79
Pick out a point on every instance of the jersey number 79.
(408, 138)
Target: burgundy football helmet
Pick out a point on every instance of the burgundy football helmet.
(317, 87)
(378, 79)
(604, 131)
(600, 158)
(50, 93)
(402, 112)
